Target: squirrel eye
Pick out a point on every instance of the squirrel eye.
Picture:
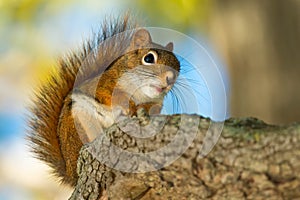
(150, 58)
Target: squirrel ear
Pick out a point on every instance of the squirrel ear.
(141, 38)
(170, 46)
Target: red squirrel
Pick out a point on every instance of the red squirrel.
(77, 101)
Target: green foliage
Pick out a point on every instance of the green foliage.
(27, 11)
(177, 14)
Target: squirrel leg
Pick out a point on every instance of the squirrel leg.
(91, 116)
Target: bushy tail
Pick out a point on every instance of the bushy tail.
(48, 99)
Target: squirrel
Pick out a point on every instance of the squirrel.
(121, 67)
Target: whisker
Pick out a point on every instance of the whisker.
(174, 101)
(179, 94)
(184, 69)
(191, 80)
(185, 86)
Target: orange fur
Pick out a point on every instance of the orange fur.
(53, 135)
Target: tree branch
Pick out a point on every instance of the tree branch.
(251, 160)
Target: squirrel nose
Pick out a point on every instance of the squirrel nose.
(170, 77)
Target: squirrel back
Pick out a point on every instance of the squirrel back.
(53, 135)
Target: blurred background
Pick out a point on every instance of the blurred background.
(256, 43)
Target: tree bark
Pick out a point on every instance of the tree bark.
(251, 160)
(260, 42)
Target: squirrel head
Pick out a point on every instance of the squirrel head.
(148, 70)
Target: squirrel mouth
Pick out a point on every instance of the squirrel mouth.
(158, 88)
